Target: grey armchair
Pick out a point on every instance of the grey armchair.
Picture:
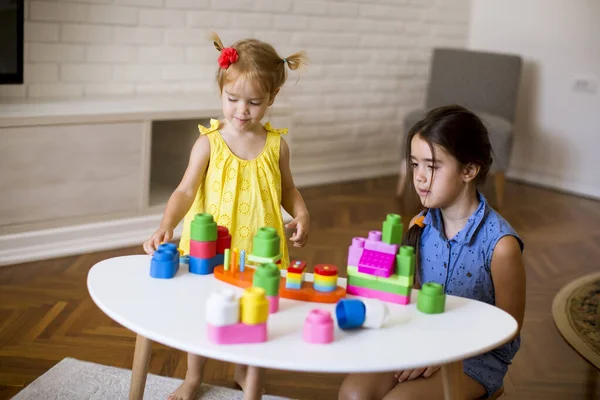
(487, 84)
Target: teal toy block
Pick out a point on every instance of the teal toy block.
(392, 229)
(405, 261)
(203, 228)
(431, 298)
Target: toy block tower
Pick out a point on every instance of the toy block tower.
(295, 275)
(325, 277)
(233, 321)
(378, 267)
(267, 277)
(165, 261)
(265, 247)
(203, 245)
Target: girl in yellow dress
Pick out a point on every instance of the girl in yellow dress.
(239, 172)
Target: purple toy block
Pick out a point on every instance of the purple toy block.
(376, 263)
(355, 251)
(374, 243)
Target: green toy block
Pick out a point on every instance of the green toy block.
(392, 229)
(399, 280)
(431, 298)
(267, 277)
(263, 260)
(203, 228)
(382, 286)
(352, 270)
(266, 242)
(405, 261)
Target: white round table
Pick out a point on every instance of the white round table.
(172, 312)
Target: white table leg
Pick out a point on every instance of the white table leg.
(452, 379)
(139, 371)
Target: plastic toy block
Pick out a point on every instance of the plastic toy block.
(267, 277)
(264, 260)
(254, 306)
(203, 228)
(223, 308)
(266, 242)
(293, 285)
(326, 270)
(381, 286)
(220, 259)
(405, 261)
(306, 292)
(376, 294)
(227, 259)
(223, 239)
(324, 288)
(355, 250)
(184, 260)
(326, 280)
(238, 333)
(431, 298)
(374, 242)
(273, 304)
(165, 262)
(352, 270)
(392, 229)
(318, 327)
(296, 267)
(203, 266)
(203, 249)
(350, 313)
(376, 263)
(376, 313)
(291, 276)
(391, 280)
(400, 280)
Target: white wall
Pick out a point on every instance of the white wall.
(558, 137)
(370, 62)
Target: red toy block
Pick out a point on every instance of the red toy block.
(376, 263)
(326, 270)
(297, 267)
(223, 239)
(203, 249)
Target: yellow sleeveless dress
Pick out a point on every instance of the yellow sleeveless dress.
(242, 195)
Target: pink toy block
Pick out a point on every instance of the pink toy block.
(355, 251)
(238, 333)
(374, 242)
(318, 327)
(376, 294)
(273, 304)
(203, 249)
(376, 263)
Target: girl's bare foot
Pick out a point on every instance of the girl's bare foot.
(188, 390)
(253, 385)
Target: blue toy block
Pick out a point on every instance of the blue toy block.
(323, 288)
(184, 260)
(220, 259)
(165, 262)
(350, 313)
(203, 266)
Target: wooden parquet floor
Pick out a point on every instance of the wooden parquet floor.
(46, 313)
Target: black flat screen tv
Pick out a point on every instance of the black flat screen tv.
(11, 41)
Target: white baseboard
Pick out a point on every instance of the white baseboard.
(544, 179)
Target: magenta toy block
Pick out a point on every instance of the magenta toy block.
(376, 294)
(376, 263)
(273, 304)
(355, 251)
(238, 333)
(318, 327)
(374, 242)
(203, 249)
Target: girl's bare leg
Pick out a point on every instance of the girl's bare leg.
(367, 386)
(193, 379)
(432, 389)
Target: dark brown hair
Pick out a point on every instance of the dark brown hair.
(462, 134)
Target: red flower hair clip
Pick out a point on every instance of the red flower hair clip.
(228, 56)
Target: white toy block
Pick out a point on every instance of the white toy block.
(223, 308)
(376, 313)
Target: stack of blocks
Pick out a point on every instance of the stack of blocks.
(267, 277)
(232, 321)
(378, 267)
(325, 278)
(295, 275)
(165, 261)
(207, 244)
(265, 247)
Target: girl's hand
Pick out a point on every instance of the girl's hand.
(160, 236)
(302, 225)
(410, 374)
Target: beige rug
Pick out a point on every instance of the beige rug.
(577, 316)
(72, 379)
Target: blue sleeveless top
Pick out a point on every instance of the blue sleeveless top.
(463, 263)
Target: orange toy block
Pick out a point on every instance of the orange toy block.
(306, 293)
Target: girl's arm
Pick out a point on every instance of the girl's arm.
(292, 200)
(182, 198)
(508, 275)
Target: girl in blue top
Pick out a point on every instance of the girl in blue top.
(462, 244)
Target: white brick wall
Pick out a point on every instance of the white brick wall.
(369, 61)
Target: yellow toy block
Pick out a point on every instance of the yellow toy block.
(254, 306)
(294, 276)
(326, 280)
